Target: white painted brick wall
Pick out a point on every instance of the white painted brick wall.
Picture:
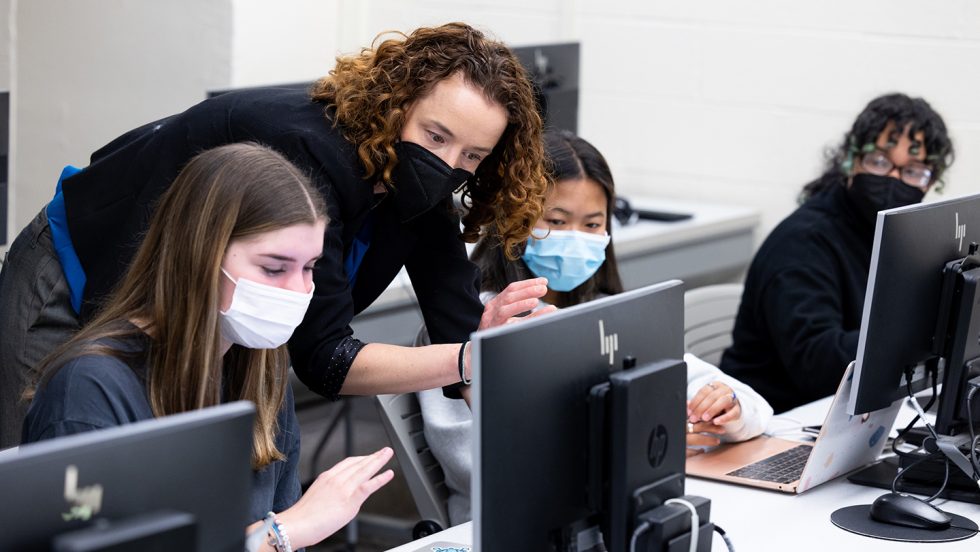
(84, 71)
(266, 34)
(712, 99)
(737, 101)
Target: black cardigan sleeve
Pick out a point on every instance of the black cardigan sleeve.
(317, 347)
(446, 282)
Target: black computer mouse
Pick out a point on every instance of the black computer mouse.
(908, 511)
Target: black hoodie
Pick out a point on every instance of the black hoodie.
(798, 323)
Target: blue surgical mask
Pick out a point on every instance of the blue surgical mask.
(567, 258)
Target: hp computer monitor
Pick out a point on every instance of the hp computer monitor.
(531, 409)
(185, 478)
(912, 247)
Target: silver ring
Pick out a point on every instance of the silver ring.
(690, 427)
(734, 398)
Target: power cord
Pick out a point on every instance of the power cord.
(637, 533)
(724, 536)
(920, 413)
(695, 520)
(902, 472)
(653, 519)
(932, 399)
(974, 460)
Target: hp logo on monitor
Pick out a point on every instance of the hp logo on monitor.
(85, 501)
(608, 344)
(657, 446)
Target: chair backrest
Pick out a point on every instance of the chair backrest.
(709, 316)
(402, 419)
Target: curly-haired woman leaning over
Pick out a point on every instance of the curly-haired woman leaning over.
(386, 137)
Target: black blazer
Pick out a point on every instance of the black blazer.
(110, 202)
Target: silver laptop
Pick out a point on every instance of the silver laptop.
(844, 444)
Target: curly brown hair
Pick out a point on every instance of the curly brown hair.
(370, 94)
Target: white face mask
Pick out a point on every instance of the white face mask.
(262, 316)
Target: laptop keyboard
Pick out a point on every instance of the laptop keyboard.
(785, 467)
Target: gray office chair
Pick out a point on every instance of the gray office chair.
(402, 420)
(401, 415)
(709, 316)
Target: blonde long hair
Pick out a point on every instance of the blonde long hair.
(171, 289)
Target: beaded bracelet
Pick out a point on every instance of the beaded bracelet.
(462, 366)
(278, 538)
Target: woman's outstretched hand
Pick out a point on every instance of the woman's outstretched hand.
(519, 297)
(335, 497)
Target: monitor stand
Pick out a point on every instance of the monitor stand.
(882, 474)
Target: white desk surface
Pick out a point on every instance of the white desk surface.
(757, 519)
(709, 221)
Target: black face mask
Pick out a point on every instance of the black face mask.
(871, 193)
(422, 180)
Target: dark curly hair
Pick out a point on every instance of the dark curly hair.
(371, 93)
(569, 158)
(915, 113)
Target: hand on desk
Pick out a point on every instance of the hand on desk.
(712, 408)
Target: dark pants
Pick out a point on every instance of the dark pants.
(35, 318)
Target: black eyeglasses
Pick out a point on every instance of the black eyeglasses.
(915, 174)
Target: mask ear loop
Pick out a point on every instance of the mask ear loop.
(225, 272)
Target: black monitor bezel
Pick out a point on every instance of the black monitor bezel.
(629, 316)
(906, 277)
(197, 462)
